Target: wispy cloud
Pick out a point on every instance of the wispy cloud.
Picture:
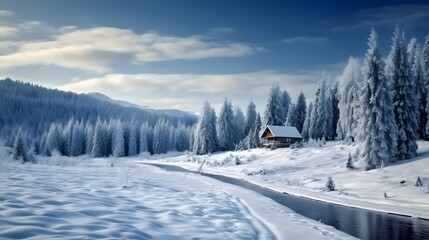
(139, 87)
(6, 13)
(407, 15)
(8, 32)
(94, 49)
(304, 39)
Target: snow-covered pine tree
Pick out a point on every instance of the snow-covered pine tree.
(98, 149)
(133, 139)
(274, 114)
(306, 126)
(144, 131)
(89, 131)
(77, 147)
(347, 95)
(335, 110)
(257, 130)
(118, 141)
(226, 127)
(286, 101)
(182, 137)
(330, 185)
(239, 123)
(300, 111)
(425, 63)
(321, 117)
(205, 138)
(67, 137)
(250, 117)
(377, 124)
(404, 96)
(53, 139)
(349, 163)
(160, 137)
(291, 119)
(19, 151)
(416, 68)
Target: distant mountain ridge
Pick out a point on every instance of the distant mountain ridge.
(168, 112)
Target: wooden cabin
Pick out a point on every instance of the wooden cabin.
(280, 136)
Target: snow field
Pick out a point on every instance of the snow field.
(87, 201)
(304, 172)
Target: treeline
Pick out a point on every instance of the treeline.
(110, 138)
(33, 109)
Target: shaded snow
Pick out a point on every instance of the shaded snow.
(304, 172)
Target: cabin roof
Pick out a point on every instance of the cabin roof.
(282, 131)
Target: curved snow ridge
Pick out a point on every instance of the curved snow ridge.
(274, 220)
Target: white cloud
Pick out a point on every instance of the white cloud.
(94, 49)
(156, 89)
(304, 39)
(6, 13)
(8, 32)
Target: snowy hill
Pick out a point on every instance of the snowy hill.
(34, 108)
(304, 172)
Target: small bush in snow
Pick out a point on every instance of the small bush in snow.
(323, 140)
(237, 161)
(349, 163)
(330, 185)
(419, 182)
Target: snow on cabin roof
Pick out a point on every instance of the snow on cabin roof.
(283, 131)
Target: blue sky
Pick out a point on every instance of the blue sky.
(176, 54)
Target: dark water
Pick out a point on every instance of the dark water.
(360, 223)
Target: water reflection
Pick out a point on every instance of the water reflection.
(356, 222)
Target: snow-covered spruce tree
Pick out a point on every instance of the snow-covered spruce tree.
(306, 126)
(377, 129)
(133, 139)
(89, 131)
(77, 146)
(160, 137)
(286, 101)
(257, 130)
(182, 137)
(144, 131)
(404, 96)
(67, 137)
(349, 163)
(274, 110)
(226, 127)
(419, 182)
(19, 151)
(291, 119)
(335, 110)
(118, 141)
(416, 68)
(239, 123)
(321, 116)
(300, 111)
(250, 117)
(205, 138)
(98, 148)
(53, 139)
(425, 63)
(330, 185)
(347, 95)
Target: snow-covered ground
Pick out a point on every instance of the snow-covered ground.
(304, 172)
(81, 198)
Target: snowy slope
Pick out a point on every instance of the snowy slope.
(304, 172)
(75, 198)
